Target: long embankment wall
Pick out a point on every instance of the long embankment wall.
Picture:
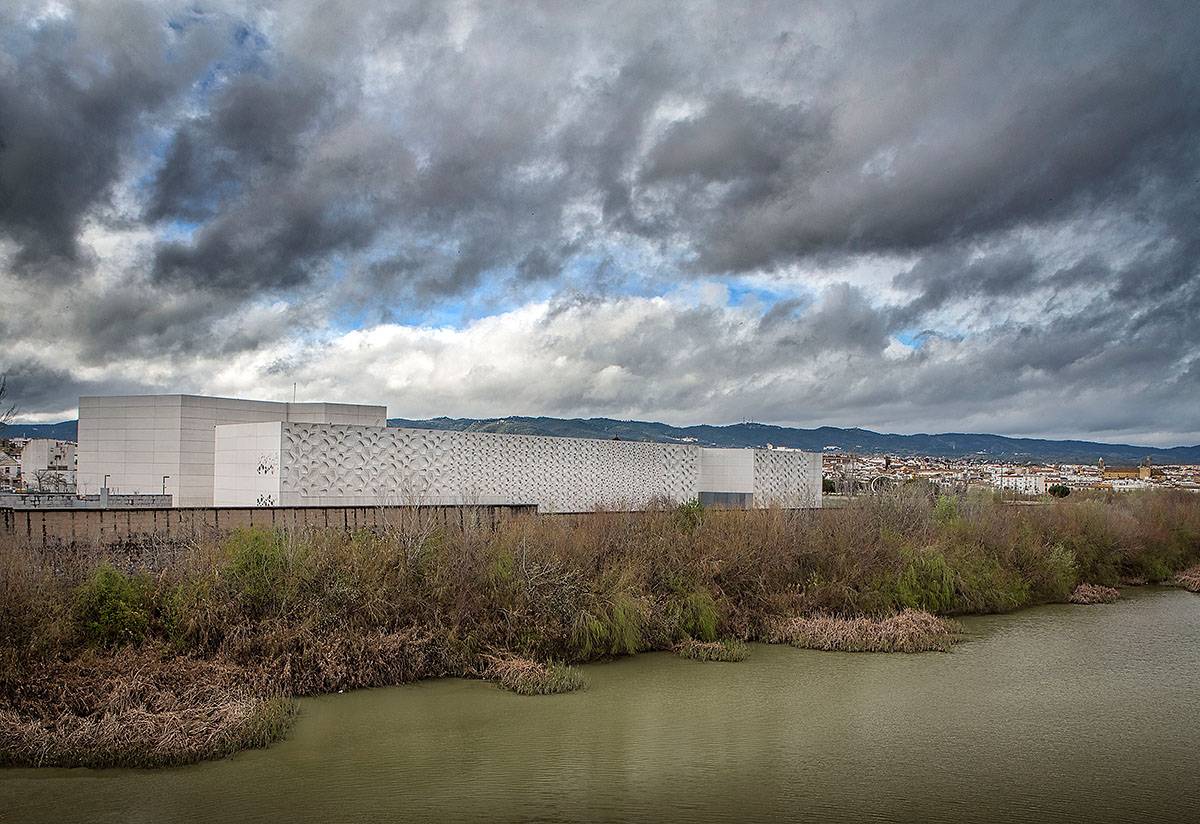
(59, 529)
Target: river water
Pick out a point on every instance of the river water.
(1062, 713)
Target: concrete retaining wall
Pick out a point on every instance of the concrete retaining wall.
(103, 528)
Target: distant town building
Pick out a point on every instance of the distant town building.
(48, 465)
(1144, 472)
(10, 470)
(1027, 484)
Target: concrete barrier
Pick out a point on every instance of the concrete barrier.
(57, 529)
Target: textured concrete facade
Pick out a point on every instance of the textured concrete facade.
(787, 478)
(138, 439)
(310, 464)
(291, 464)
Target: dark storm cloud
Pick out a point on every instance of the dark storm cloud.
(955, 274)
(216, 182)
(72, 95)
(35, 387)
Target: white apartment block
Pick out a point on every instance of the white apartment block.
(48, 465)
(10, 469)
(1021, 484)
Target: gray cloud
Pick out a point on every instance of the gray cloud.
(184, 188)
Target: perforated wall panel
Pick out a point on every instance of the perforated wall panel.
(322, 464)
(787, 478)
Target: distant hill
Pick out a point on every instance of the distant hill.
(65, 431)
(825, 438)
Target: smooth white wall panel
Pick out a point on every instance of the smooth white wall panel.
(246, 464)
(726, 470)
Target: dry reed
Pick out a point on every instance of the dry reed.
(525, 676)
(726, 650)
(1189, 579)
(908, 631)
(134, 708)
(1094, 594)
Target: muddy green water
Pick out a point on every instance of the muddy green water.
(1058, 713)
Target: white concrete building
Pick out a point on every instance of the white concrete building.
(148, 443)
(226, 452)
(294, 464)
(48, 465)
(1021, 484)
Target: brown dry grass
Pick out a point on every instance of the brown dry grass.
(726, 650)
(1189, 579)
(908, 631)
(1094, 594)
(525, 676)
(136, 708)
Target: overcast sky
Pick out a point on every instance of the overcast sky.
(907, 217)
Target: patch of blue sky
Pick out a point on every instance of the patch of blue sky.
(247, 49)
(741, 293)
(178, 231)
(917, 338)
(610, 272)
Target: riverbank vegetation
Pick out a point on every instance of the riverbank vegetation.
(727, 650)
(908, 631)
(228, 631)
(525, 676)
(1189, 579)
(1094, 594)
(138, 708)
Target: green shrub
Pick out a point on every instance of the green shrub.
(1058, 490)
(689, 516)
(257, 569)
(193, 616)
(613, 627)
(926, 582)
(699, 617)
(112, 608)
(1056, 576)
(1151, 566)
(945, 511)
(982, 584)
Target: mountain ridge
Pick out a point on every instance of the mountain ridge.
(824, 438)
(948, 444)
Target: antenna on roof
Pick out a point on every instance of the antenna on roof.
(293, 391)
